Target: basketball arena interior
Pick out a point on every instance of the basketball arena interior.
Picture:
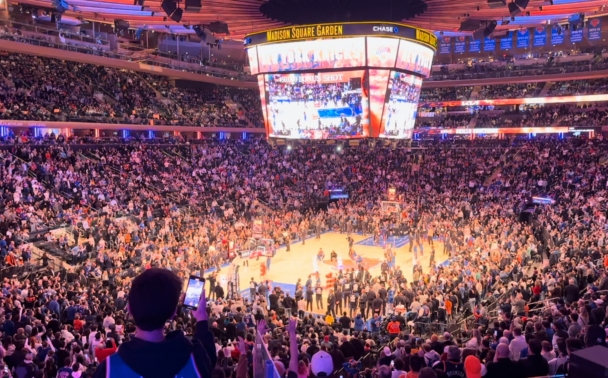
(291, 188)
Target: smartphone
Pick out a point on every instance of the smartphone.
(194, 290)
(392, 363)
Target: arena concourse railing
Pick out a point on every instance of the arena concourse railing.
(69, 43)
(263, 364)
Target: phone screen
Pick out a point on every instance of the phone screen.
(194, 291)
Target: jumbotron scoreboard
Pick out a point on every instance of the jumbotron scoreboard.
(341, 81)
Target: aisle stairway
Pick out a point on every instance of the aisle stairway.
(546, 88)
(475, 92)
(473, 122)
(234, 106)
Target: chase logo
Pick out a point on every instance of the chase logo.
(386, 29)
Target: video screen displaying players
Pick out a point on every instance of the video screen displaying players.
(253, 60)
(415, 58)
(314, 54)
(382, 52)
(378, 81)
(401, 106)
(317, 105)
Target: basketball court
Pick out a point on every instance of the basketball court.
(287, 267)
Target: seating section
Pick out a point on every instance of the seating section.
(579, 87)
(445, 94)
(523, 68)
(516, 90)
(83, 92)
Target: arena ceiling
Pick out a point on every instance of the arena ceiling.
(246, 16)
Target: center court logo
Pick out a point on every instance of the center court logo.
(386, 29)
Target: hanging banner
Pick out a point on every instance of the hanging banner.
(506, 43)
(445, 45)
(474, 45)
(256, 228)
(460, 44)
(523, 38)
(489, 44)
(557, 35)
(594, 29)
(576, 35)
(540, 36)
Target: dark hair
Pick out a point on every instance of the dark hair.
(427, 372)
(416, 363)
(153, 298)
(535, 346)
(399, 364)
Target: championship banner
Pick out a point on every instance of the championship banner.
(576, 35)
(445, 45)
(460, 44)
(489, 44)
(474, 45)
(523, 38)
(506, 43)
(257, 228)
(557, 35)
(594, 29)
(540, 36)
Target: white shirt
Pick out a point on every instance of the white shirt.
(517, 345)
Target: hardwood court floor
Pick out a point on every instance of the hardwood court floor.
(287, 267)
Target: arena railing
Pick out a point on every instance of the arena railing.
(202, 70)
(263, 364)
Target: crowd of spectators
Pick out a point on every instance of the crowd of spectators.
(550, 115)
(506, 69)
(579, 87)
(514, 90)
(446, 94)
(184, 204)
(447, 121)
(36, 88)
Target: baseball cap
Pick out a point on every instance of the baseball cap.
(472, 367)
(321, 363)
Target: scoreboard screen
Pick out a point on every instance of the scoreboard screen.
(341, 81)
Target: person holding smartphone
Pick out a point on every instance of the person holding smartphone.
(152, 301)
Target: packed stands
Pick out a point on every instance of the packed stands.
(123, 204)
(579, 87)
(516, 90)
(457, 120)
(503, 69)
(445, 94)
(87, 93)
